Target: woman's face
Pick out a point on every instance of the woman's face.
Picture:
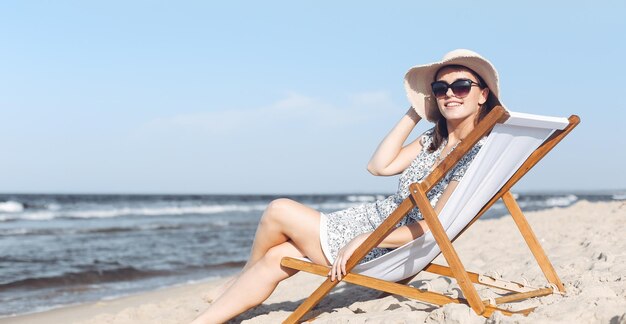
(454, 108)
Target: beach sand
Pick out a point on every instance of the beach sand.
(585, 243)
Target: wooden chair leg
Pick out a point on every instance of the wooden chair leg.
(461, 276)
(403, 290)
(310, 302)
(531, 241)
(401, 282)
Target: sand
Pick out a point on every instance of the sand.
(585, 243)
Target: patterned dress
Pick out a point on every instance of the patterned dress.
(338, 228)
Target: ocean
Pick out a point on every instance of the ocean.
(58, 250)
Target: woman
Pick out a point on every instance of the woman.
(455, 94)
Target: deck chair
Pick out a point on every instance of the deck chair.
(515, 143)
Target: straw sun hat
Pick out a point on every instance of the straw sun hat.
(418, 79)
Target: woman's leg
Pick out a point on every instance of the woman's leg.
(283, 220)
(252, 286)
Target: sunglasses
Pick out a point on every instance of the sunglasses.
(460, 88)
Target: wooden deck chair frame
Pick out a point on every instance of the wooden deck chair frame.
(455, 269)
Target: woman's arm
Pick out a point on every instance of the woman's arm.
(391, 157)
(400, 236)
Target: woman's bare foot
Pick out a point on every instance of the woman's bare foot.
(217, 291)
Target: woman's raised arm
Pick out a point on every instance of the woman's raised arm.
(391, 157)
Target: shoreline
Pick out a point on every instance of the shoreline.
(583, 242)
(83, 312)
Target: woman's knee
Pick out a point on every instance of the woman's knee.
(274, 256)
(276, 209)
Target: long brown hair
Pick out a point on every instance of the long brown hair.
(441, 128)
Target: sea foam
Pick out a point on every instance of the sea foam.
(11, 207)
(15, 213)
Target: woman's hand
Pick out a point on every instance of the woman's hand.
(339, 267)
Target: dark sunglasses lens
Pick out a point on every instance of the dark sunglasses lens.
(439, 89)
(461, 88)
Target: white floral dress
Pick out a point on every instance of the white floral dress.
(338, 228)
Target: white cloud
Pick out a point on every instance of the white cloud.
(373, 99)
(294, 108)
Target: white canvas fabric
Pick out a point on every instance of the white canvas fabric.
(504, 151)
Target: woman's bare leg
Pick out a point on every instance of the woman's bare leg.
(253, 286)
(283, 220)
(220, 288)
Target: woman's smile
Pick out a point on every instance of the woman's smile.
(453, 104)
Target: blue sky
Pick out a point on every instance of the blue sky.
(283, 97)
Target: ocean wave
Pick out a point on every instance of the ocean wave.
(11, 207)
(619, 196)
(37, 215)
(94, 276)
(28, 231)
(218, 223)
(498, 205)
(159, 211)
(561, 201)
(132, 211)
(361, 198)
